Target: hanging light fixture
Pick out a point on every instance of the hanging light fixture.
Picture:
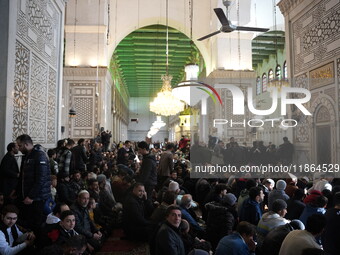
(277, 82)
(165, 103)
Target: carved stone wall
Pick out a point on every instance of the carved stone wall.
(37, 69)
(314, 48)
(85, 102)
(316, 35)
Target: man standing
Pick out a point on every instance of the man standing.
(123, 153)
(79, 157)
(148, 172)
(65, 158)
(166, 164)
(286, 151)
(34, 185)
(168, 239)
(9, 171)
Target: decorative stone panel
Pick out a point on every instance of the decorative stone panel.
(316, 35)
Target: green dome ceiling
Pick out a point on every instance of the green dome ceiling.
(141, 59)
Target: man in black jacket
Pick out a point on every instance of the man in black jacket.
(148, 170)
(34, 186)
(79, 157)
(9, 171)
(168, 239)
(136, 210)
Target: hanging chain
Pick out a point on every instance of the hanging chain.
(108, 25)
(167, 38)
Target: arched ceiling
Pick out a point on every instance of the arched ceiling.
(141, 59)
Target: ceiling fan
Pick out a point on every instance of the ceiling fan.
(227, 27)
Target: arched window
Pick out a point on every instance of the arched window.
(270, 75)
(264, 82)
(258, 86)
(285, 72)
(278, 72)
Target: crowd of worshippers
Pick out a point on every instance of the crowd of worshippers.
(70, 199)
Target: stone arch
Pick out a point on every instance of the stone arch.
(180, 26)
(324, 116)
(323, 101)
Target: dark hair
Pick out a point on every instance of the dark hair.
(298, 194)
(57, 208)
(254, 192)
(143, 145)
(25, 139)
(316, 223)
(250, 183)
(81, 140)
(337, 198)
(219, 187)
(285, 138)
(169, 197)
(170, 209)
(246, 228)
(51, 152)
(70, 142)
(64, 214)
(170, 146)
(10, 209)
(91, 181)
(320, 201)
(60, 143)
(127, 141)
(137, 184)
(10, 146)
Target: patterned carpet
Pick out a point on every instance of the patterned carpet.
(115, 245)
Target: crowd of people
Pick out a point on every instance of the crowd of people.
(69, 199)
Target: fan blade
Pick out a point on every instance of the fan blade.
(209, 35)
(221, 16)
(255, 29)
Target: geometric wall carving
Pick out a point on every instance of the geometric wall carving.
(322, 115)
(85, 102)
(38, 25)
(20, 99)
(36, 74)
(316, 35)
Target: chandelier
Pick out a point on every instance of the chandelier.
(278, 83)
(165, 103)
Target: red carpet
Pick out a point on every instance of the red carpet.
(115, 245)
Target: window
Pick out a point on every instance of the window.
(258, 86)
(278, 73)
(285, 72)
(264, 82)
(270, 75)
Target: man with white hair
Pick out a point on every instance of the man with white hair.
(84, 225)
(185, 206)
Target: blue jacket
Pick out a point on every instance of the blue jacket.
(309, 210)
(251, 211)
(232, 245)
(186, 216)
(35, 177)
